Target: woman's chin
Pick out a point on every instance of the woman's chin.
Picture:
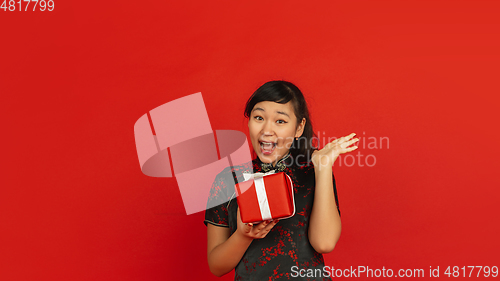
(266, 158)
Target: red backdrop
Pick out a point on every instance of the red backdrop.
(74, 204)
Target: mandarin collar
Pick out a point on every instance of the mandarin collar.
(280, 165)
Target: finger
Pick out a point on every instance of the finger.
(340, 140)
(261, 226)
(331, 144)
(263, 232)
(270, 226)
(349, 149)
(348, 137)
(346, 144)
(248, 227)
(334, 141)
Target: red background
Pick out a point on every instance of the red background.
(74, 204)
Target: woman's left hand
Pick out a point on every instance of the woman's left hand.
(328, 154)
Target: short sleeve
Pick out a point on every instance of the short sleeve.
(335, 193)
(216, 211)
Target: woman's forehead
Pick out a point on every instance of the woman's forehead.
(271, 107)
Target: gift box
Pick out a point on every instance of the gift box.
(265, 197)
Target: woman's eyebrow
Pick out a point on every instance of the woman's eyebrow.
(279, 112)
(284, 113)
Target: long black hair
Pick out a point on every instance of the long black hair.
(282, 92)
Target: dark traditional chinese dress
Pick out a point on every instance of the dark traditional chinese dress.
(287, 244)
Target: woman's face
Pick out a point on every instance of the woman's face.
(273, 127)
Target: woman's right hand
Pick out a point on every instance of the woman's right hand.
(256, 231)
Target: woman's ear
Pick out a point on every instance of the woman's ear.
(300, 128)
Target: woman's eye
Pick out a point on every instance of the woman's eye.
(278, 121)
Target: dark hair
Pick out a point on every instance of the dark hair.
(282, 92)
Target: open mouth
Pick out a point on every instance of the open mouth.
(267, 147)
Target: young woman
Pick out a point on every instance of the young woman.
(281, 135)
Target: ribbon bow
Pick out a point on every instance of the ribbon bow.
(248, 176)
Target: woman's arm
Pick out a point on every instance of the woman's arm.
(324, 223)
(224, 251)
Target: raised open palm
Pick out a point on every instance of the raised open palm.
(330, 152)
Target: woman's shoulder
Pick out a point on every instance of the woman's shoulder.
(223, 187)
(239, 168)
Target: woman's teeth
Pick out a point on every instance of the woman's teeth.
(267, 145)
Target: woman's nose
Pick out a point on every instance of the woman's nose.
(268, 128)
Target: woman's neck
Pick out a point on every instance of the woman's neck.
(277, 160)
